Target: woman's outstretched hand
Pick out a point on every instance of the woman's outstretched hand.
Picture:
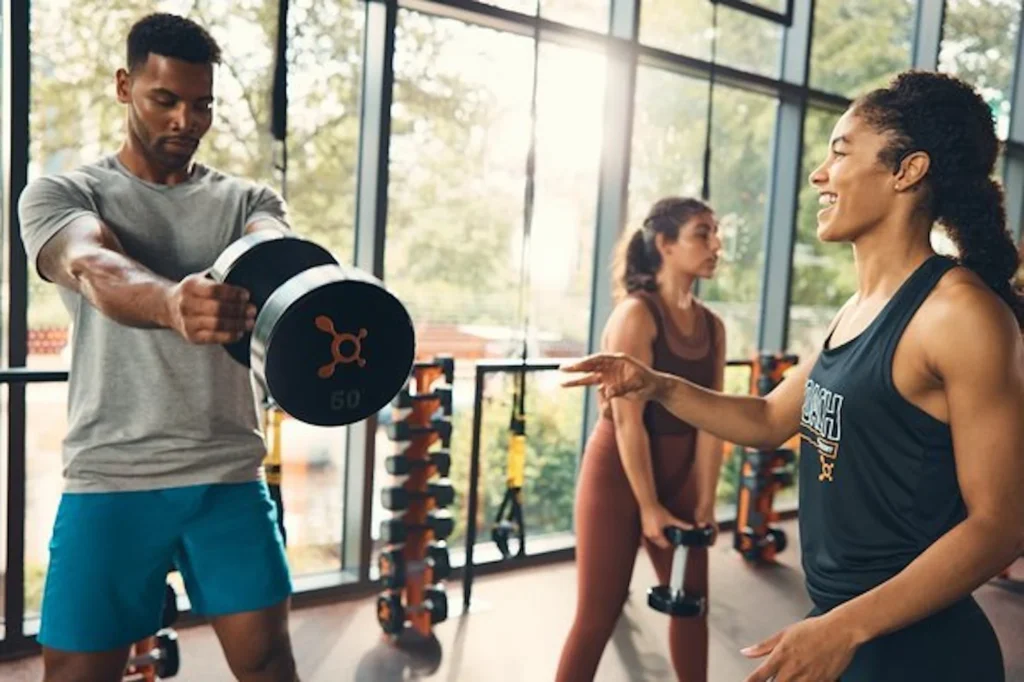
(616, 375)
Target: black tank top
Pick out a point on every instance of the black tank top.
(877, 477)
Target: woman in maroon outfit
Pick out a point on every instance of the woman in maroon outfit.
(643, 469)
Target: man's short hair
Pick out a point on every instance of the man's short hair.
(170, 35)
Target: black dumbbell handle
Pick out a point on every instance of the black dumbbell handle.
(690, 537)
(678, 576)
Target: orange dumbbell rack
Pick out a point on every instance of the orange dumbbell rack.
(428, 429)
(762, 474)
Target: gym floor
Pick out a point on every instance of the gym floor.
(517, 623)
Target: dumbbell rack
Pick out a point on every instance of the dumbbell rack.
(762, 474)
(420, 397)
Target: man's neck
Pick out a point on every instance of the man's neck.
(150, 171)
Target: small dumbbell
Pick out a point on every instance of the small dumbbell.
(394, 569)
(395, 531)
(397, 498)
(163, 660)
(782, 478)
(170, 614)
(402, 465)
(404, 431)
(391, 614)
(760, 548)
(405, 399)
(672, 598)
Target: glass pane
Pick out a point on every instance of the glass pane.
(848, 62)
(745, 41)
(460, 136)
(589, 14)
(979, 41)
(669, 126)
(823, 274)
(668, 148)
(741, 138)
(312, 479)
(554, 420)
(325, 62)
(45, 427)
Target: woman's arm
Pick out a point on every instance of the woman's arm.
(752, 421)
(631, 329)
(708, 465)
(979, 358)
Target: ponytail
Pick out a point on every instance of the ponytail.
(975, 218)
(636, 265)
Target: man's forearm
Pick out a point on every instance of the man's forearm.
(740, 419)
(953, 567)
(121, 288)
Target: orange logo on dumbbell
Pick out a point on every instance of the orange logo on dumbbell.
(324, 324)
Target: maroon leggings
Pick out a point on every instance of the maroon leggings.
(608, 534)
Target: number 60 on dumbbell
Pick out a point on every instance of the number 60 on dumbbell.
(330, 344)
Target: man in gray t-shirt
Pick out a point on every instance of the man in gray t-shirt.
(163, 453)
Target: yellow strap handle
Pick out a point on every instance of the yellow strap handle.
(272, 462)
(516, 461)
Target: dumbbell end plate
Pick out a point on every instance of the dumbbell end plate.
(333, 347)
(660, 599)
(259, 262)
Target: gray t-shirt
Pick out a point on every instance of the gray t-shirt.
(147, 409)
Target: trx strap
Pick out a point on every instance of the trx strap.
(509, 519)
(272, 462)
(279, 99)
(705, 190)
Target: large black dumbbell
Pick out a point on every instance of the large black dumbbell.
(330, 344)
(401, 431)
(402, 465)
(440, 523)
(397, 498)
(163, 660)
(394, 569)
(672, 598)
(391, 614)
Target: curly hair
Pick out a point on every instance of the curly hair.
(637, 260)
(947, 119)
(170, 35)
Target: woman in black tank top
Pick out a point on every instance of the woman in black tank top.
(910, 415)
(644, 469)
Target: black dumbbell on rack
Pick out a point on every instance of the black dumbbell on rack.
(391, 613)
(672, 598)
(405, 399)
(397, 498)
(394, 569)
(439, 522)
(400, 431)
(402, 465)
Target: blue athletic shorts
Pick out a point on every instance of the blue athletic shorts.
(110, 554)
